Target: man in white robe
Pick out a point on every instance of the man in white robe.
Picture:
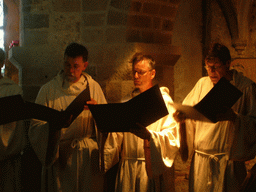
(220, 149)
(147, 154)
(12, 140)
(70, 155)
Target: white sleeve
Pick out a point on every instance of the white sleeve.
(112, 150)
(164, 143)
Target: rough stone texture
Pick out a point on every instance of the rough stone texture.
(163, 38)
(156, 23)
(116, 35)
(148, 36)
(120, 4)
(93, 36)
(62, 39)
(133, 35)
(97, 19)
(175, 1)
(167, 25)
(65, 22)
(139, 21)
(135, 6)
(36, 38)
(168, 11)
(66, 5)
(95, 5)
(116, 18)
(151, 8)
(35, 21)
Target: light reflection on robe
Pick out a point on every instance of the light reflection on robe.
(164, 145)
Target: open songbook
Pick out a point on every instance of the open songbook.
(14, 108)
(145, 109)
(220, 98)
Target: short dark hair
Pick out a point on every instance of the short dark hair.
(219, 51)
(75, 50)
(137, 57)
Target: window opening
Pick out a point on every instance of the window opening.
(2, 29)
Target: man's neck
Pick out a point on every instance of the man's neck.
(229, 75)
(145, 89)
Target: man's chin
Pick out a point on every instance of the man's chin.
(137, 86)
(214, 80)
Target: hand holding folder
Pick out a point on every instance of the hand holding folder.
(218, 101)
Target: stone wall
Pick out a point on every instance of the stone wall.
(112, 30)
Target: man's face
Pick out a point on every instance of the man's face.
(216, 70)
(143, 75)
(73, 68)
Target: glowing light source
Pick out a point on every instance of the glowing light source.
(2, 29)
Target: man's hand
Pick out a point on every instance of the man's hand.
(91, 102)
(179, 116)
(141, 131)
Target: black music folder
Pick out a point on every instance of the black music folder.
(145, 108)
(220, 98)
(14, 108)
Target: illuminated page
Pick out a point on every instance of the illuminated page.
(145, 108)
(190, 112)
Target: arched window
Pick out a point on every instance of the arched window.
(2, 28)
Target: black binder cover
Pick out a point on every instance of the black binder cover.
(145, 109)
(220, 98)
(14, 108)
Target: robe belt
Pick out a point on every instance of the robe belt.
(134, 158)
(76, 144)
(213, 158)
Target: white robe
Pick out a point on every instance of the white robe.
(214, 146)
(12, 142)
(164, 145)
(74, 164)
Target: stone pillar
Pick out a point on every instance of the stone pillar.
(36, 67)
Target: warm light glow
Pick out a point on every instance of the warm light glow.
(2, 29)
